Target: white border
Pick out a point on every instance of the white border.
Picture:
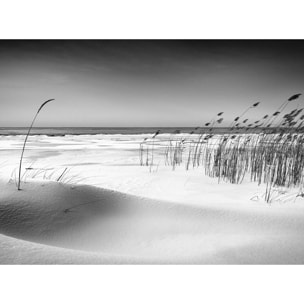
(151, 284)
(138, 19)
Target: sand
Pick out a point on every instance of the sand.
(110, 210)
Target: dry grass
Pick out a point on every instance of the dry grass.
(25, 140)
(267, 152)
(60, 175)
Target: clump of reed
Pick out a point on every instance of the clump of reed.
(266, 152)
(174, 153)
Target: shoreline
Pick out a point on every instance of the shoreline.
(148, 131)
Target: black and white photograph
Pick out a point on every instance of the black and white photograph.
(152, 152)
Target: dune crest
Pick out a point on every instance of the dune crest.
(63, 223)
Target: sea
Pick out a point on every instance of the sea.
(62, 131)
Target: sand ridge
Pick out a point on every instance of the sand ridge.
(85, 224)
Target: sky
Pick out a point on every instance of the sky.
(133, 83)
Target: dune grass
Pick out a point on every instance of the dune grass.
(25, 140)
(266, 152)
(60, 175)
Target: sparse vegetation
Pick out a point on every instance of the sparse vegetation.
(25, 140)
(267, 152)
(60, 175)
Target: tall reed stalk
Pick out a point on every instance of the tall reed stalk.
(27, 135)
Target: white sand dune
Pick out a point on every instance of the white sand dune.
(49, 223)
(125, 213)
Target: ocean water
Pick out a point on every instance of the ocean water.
(111, 130)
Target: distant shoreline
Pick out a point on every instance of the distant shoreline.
(62, 131)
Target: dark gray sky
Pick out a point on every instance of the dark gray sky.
(145, 83)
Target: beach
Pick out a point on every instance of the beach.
(86, 199)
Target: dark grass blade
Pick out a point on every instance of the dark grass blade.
(27, 135)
